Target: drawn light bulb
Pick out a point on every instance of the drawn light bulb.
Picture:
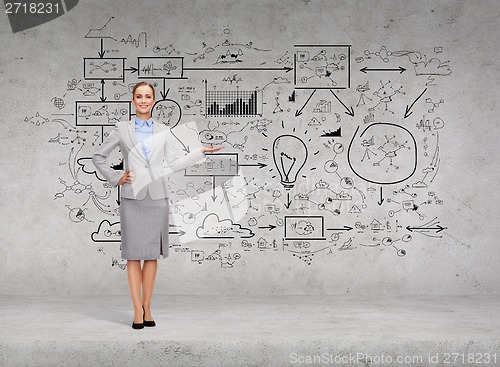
(290, 155)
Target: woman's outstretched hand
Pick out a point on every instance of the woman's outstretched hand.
(126, 178)
(210, 149)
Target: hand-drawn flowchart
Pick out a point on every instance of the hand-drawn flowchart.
(328, 148)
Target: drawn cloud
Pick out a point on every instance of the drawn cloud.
(300, 196)
(419, 185)
(432, 67)
(322, 184)
(212, 137)
(107, 232)
(213, 227)
(343, 196)
(281, 80)
(89, 168)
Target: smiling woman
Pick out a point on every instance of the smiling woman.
(146, 145)
(143, 99)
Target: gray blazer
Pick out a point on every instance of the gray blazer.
(149, 175)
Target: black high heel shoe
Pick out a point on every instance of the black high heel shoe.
(139, 325)
(147, 323)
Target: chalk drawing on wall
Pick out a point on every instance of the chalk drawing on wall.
(313, 166)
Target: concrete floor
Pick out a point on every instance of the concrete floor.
(345, 330)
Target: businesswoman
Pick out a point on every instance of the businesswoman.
(149, 155)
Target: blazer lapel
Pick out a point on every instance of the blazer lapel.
(135, 147)
(131, 130)
(157, 130)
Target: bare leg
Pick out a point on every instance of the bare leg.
(148, 283)
(135, 280)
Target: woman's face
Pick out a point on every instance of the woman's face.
(143, 99)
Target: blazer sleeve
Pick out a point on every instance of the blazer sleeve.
(100, 157)
(175, 160)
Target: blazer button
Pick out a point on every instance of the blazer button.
(146, 166)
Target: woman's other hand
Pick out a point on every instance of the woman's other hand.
(210, 149)
(126, 178)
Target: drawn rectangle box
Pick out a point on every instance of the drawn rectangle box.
(197, 255)
(108, 68)
(304, 227)
(97, 113)
(160, 67)
(322, 67)
(222, 164)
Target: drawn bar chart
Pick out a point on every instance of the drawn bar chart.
(234, 103)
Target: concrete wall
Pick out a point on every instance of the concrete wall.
(383, 204)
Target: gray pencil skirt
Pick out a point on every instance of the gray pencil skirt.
(144, 228)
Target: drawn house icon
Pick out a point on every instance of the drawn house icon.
(375, 225)
(209, 164)
(261, 243)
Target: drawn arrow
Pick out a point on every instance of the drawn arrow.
(409, 108)
(346, 228)
(184, 147)
(102, 91)
(101, 54)
(381, 197)
(260, 165)
(349, 112)
(163, 93)
(134, 70)
(288, 201)
(365, 69)
(213, 189)
(299, 112)
(285, 68)
(180, 232)
(438, 228)
(118, 200)
(271, 227)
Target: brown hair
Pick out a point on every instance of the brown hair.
(140, 84)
